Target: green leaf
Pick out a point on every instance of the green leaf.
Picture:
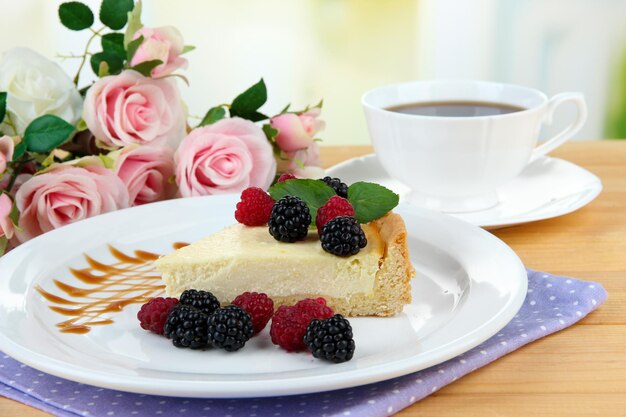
(213, 115)
(131, 48)
(187, 48)
(270, 132)
(134, 24)
(246, 104)
(46, 133)
(3, 105)
(285, 109)
(146, 67)
(371, 201)
(114, 42)
(3, 244)
(20, 149)
(114, 13)
(112, 60)
(14, 215)
(108, 162)
(314, 193)
(75, 15)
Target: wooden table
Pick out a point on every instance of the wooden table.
(580, 371)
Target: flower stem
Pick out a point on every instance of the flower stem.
(86, 53)
(16, 172)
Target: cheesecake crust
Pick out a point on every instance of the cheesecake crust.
(392, 288)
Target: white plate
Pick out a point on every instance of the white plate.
(469, 285)
(549, 187)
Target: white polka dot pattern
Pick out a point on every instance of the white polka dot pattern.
(552, 304)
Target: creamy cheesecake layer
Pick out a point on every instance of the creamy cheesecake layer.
(240, 258)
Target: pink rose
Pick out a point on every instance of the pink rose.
(146, 171)
(305, 163)
(130, 108)
(67, 194)
(6, 152)
(165, 44)
(225, 157)
(6, 225)
(297, 131)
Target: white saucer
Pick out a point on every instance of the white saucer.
(549, 187)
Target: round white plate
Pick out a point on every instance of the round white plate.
(468, 286)
(548, 187)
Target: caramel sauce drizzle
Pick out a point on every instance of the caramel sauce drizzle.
(132, 279)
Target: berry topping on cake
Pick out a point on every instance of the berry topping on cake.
(335, 183)
(202, 300)
(290, 322)
(254, 208)
(286, 176)
(153, 314)
(330, 339)
(290, 219)
(229, 328)
(259, 306)
(343, 236)
(334, 207)
(187, 327)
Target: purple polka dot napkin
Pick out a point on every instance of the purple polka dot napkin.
(552, 304)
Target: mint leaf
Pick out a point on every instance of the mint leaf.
(371, 201)
(314, 193)
(114, 42)
(114, 13)
(146, 67)
(213, 115)
(75, 15)
(46, 133)
(113, 61)
(132, 48)
(246, 104)
(3, 105)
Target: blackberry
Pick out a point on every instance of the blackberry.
(335, 183)
(330, 339)
(187, 327)
(290, 219)
(229, 328)
(343, 236)
(202, 300)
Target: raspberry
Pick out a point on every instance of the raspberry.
(202, 300)
(343, 236)
(334, 207)
(330, 339)
(187, 327)
(153, 314)
(259, 306)
(255, 207)
(286, 176)
(289, 323)
(335, 183)
(290, 219)
(229, 328)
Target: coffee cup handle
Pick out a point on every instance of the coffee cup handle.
(551, 144)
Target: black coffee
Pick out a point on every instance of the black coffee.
(455, 108)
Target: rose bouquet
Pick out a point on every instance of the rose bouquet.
(70, 151)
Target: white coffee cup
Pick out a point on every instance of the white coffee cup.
(455, 164)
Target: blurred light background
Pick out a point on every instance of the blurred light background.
(338, 49)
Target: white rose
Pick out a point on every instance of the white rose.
(36, 86)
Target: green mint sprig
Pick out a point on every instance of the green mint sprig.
(370, 201)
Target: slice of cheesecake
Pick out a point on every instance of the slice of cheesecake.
(239, 258)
